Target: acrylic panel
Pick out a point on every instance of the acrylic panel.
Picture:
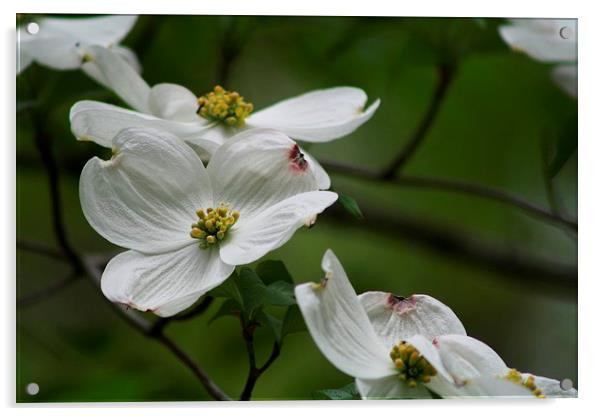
(295, 208)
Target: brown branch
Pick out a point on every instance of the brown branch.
(41, 249)
(452, 186)
(254, 371)
(45, 293)
(457, 246)
(446, 75)
(147, 328)
(43, 144)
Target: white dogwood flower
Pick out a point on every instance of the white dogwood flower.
(187, 226)
(547, 40)
(405, 347)
(206, 122)
(62, 43)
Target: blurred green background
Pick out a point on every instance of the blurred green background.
(500, 108)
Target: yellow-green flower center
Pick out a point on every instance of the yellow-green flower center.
(516, 377)
(213, 224)
(412, 366)
(223, 106)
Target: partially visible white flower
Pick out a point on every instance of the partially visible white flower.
(547, 40)
(187, 226)
(206, 122)
(62, 43)
(403, 347)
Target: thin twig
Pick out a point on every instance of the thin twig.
(45, 293)
(452, 186)
(254, 371)
(231, 46)
(146, 328)
(457, 246)
(43, 144)
(41, 249)
(446, 74)
(553, 200)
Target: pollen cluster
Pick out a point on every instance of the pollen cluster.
(213, 224)
(227, 107)
(413, 367)
(516, 377)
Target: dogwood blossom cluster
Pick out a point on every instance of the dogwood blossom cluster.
(411, 347)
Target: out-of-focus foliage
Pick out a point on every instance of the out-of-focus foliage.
(500, 112)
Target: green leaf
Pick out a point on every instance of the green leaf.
(280, 293)
(252, 290)
(351, 206)
(228, 289)
(566, 145)
(228, 308)
(292, 322)
(349, 392)
(271, 322)
(271, 271)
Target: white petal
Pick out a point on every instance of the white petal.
(220, 133)
(321, 175)
(99, 122)
(255, 170)
(56, 52)
(174, 102)
(250, 239)
(146, 196)
(431, 354)
(163, 283)
(483, 388)
(103, 30)
(467, 358)
(94, 72)
(389, 387)
(565, 77)
(395, 319)
(551, 387)
(339, 326)
(317, 116)
(119, 76)
(541, 38)
(129, 56)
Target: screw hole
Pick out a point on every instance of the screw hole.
(566, 384)
(32, 389)
(33, 28)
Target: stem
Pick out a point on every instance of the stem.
(453, 186)
(447, 241)
(48, 291)
(43, 142)
(254, 371)
(446, 74)
(41, 249)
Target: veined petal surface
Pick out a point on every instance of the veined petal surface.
(340, 327)
(165, 283)
(145, 198)
(317, 116)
